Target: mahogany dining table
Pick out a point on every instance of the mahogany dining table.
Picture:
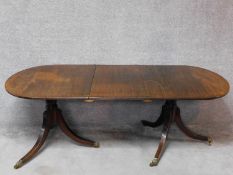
(115, 82)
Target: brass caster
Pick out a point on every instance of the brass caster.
(18, 164)
(154, 162)
(96, 145)
(210, 141)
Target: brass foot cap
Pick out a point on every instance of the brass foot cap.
(154, 162)
(18, 164)
(96, 145)
(210, 140)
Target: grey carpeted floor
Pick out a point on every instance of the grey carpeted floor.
(124, 150)
(154, 32)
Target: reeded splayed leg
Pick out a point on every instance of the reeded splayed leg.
(168, 114)
(187, 131)
(65, 128)
(52, 116)
(158, 122)
(47, 123)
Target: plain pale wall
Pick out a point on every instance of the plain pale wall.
(195, 32)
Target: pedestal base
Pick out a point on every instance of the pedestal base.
(53, 116)
(171, 113)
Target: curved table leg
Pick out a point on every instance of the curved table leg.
(171, 112)
(158, 122)
(65, 128)
(47, 122)
(51, 117)
(187, 131)
(167, 124)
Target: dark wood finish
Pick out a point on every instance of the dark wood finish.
(115, 82)
(156, 82)
(187, 131)
(122, 82)
(65, 128)
(168, 118)
(171, 112)
(52, 116)
(52, 82)
(47, 124)
(159, 121)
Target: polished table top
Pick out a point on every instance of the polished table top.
(117, 82)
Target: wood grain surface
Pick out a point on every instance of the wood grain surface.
(117, 82)
(52, 82)
(156, 82)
